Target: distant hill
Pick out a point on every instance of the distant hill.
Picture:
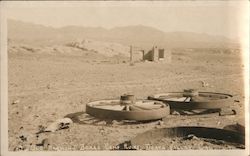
(138, 35)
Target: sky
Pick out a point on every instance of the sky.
(223, 18)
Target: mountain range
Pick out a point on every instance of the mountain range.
(137, 35)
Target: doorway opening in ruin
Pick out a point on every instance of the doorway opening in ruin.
(161, 54)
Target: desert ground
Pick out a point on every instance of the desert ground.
(44, 87)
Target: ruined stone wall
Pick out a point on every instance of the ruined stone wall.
(137, 56)
(157, 54)
(153, 54)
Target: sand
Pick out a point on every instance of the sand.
(50, 86)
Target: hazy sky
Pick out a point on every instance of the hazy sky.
(212, 17)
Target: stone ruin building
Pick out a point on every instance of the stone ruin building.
(155, 54)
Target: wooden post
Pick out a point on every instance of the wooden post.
(131, 55)
(143, 57)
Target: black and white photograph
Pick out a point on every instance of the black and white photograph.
(92, 76)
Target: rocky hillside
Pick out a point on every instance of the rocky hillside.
(139, 35)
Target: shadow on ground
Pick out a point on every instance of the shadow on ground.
(84, 118)
(194, 112)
